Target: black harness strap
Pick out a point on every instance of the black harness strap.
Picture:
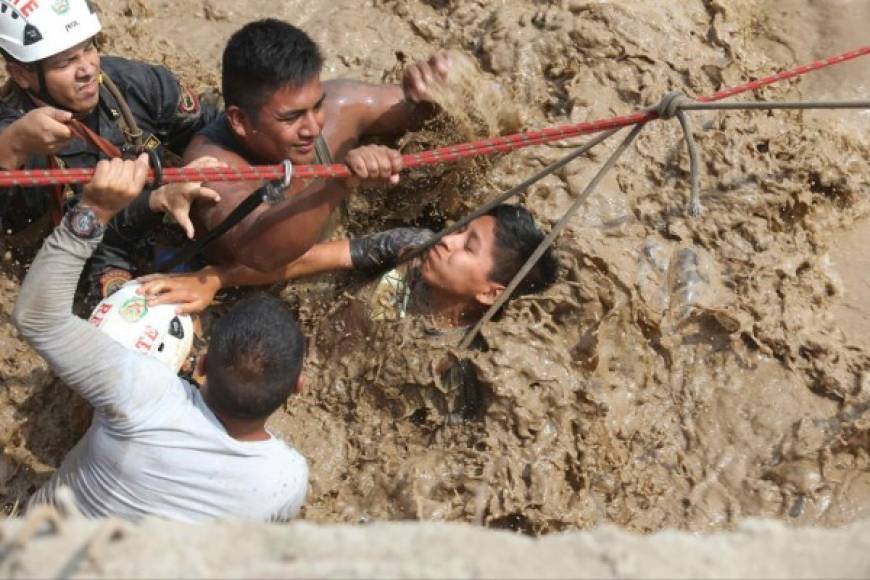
(271, 192)
(242, 211)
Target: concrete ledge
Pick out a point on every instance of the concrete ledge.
(160, 549)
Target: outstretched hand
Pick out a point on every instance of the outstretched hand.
(420, 77)
(114, 185)
(191, 292)
(374, 163)
(176, 199)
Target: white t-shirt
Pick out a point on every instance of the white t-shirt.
(154, 448)
(174, 459)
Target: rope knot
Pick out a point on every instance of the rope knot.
(670, 104)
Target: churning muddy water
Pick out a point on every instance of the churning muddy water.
(684, 372)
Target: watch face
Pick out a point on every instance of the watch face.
(82, 221)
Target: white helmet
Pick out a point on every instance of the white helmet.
(31, 30)
(153, 330)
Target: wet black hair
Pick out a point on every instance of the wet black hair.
(254, 359)
(264, 56)
(516, 237)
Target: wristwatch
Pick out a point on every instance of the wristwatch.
(83, 222)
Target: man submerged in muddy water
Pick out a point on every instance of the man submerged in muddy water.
(157, 444)
(277, 108)
(451, 285)
(448, 288)
(65, 106)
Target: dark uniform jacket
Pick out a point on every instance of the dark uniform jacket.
(167, 113)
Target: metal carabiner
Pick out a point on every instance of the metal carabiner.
(157, 166)
(275, 191)
(288, 173)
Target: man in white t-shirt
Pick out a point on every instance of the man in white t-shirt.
(157, 444)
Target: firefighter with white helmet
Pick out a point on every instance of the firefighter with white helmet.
(65, 106)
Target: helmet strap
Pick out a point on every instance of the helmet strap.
(42, 90)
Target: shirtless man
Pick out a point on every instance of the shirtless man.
(277, 108)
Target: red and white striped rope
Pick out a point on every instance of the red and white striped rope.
(503, 144)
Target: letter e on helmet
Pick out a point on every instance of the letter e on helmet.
(31, 30)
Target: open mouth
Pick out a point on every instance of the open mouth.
(89, 90)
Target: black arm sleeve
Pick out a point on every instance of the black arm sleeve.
(381, 251)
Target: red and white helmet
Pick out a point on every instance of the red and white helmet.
(31, 30)
(153, 330)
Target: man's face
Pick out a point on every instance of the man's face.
(461, 262)
(288, 124)
(71, 78)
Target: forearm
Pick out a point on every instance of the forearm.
(47, 292)
(286, 231)
(389, 113)
(380, 110)
(83, 357)
(235, 275)
(320, 258)
(381, 251)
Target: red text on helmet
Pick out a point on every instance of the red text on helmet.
(146, 341)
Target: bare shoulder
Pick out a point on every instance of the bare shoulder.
(201, 146)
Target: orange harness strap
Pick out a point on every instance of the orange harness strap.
(83, 132)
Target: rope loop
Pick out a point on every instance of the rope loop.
(671, 104)
(669, 107)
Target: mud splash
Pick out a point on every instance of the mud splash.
(685, 373)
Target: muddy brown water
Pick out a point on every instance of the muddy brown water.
(684, 372)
